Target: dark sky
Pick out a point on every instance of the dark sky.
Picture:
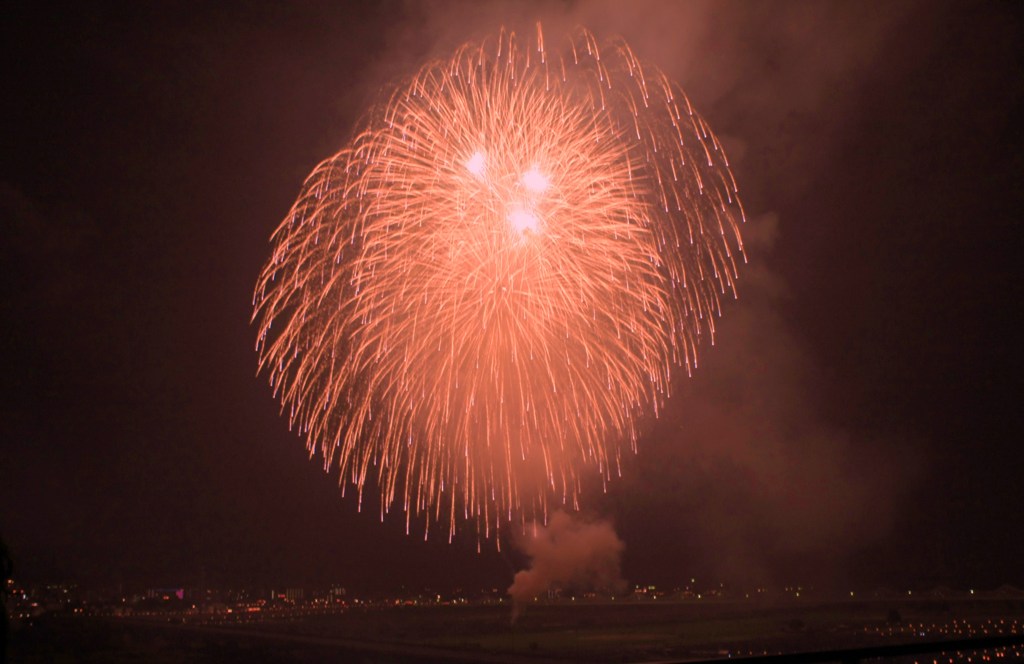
(856, 423)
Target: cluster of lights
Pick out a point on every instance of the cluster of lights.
(522, 202)
(961, 629)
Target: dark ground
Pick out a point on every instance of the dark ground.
(564, 631)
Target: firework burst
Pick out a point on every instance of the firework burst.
(477, 298)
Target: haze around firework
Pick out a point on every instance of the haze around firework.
(860, 390)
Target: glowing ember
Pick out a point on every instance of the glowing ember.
(523, 221)
(535, 181)
(476, 164)
(479, 297)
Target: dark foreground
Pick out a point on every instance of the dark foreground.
(556, 632)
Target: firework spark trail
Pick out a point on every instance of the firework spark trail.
(481, 294)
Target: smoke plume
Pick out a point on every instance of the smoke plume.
(568, 554)
(760, 468)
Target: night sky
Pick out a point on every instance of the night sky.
(857, 421)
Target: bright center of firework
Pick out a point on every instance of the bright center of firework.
(535, 181)
(523, 221)
(476, 164)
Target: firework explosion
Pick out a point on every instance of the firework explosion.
(477, 299)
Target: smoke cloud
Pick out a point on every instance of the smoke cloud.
(570, 553)
(748, 480)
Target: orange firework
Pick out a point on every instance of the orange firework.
(478, 297)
